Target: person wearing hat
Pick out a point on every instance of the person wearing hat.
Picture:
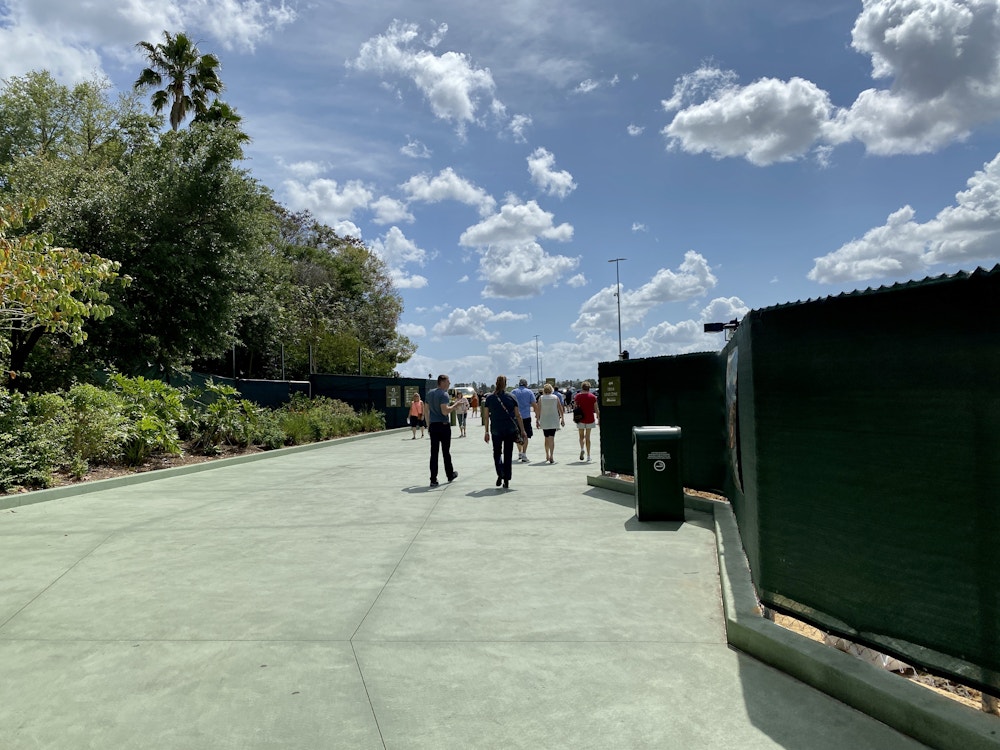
(526, 404)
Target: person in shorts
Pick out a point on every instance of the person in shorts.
(416, 416)
(587, 403)
(527, 404)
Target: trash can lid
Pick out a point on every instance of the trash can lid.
(666, 431)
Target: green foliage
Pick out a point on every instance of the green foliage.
(134, 418)
(29, 450)
(187, 76)
(95, 423)
(306, 421)
(224, 418)
(46, 289)
(154, 410)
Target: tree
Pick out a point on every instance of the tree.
(45, 289)
(186, 75)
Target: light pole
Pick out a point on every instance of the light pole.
(538, 367)
(618, 299)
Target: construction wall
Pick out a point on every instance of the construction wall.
(388, 395)
(684, 391)
(865, 466)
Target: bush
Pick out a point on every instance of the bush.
(226, 419)
(95, 426)
(308, 421)
(29, 450)
(372, 420)
(154, 411)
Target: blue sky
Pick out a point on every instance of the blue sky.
(737, 155)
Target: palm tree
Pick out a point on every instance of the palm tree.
(187, 76)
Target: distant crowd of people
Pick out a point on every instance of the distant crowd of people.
(508, 419)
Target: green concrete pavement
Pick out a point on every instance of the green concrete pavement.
(328, 598)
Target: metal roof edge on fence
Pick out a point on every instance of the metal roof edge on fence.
(979, 272)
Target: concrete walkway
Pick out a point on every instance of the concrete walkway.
(328, 598)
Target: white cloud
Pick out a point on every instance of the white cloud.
(962, 234)
(330, 203)
(398, 252)
(473, 322)
(24, 48)
(304, 170)
(518, 126)
(635, 130)
(389, 211)
(449, 82)
(941, 59)
(411, 330)
(687, 335)
(768, 121)
(515, 223)
(724, 309)
(577, 281)
(415, 150)
(521, 269)
(637, 227)
(541, 167)
(68, 39)
(585, 87)
(693, 279)
(512, 262)
(237, 24)
(447, 185)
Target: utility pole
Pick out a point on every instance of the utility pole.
(538, 367)
(618, 299)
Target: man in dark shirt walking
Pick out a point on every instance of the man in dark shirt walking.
(439, 407)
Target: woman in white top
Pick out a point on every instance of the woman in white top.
(551, 416)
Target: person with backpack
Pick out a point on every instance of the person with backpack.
(503, 424)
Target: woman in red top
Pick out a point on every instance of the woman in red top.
(587, 402)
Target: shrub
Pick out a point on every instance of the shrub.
(95, 426)
(307, 421)
(154, 411)
(372, 420)
(29, 449)
(226, 419)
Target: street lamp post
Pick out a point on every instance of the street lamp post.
(538, 367)
(618, 299)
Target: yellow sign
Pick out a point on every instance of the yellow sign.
(611, 391)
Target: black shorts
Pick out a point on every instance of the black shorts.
(527, 426)
(550, 433)
(416, 421)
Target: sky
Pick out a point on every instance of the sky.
(497, 156)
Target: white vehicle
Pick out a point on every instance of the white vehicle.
(465, 390)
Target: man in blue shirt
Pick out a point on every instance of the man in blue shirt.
(439, 406)
(526, 404)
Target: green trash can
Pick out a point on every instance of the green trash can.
(656, 458)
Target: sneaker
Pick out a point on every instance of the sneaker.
(581, 455)
(434, 483)
(499, 481)
(453, 477)
(588, 459)
(525, 459)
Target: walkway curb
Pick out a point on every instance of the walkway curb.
(917, 712)
(21, 499)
